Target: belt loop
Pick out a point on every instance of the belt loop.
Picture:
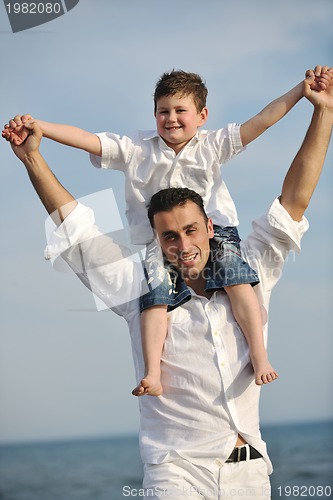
(248, 452)
(239, 452)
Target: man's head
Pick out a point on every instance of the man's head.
(183, 228)
(179, 107)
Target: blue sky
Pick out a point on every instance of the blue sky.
(66, 369)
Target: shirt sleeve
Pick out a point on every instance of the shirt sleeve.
(274, 235)
(228, 142)
(109, 270)
(116, 151)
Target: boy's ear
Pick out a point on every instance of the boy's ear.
(203, 116)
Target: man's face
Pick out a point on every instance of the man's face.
(177, 120)
(184, 238)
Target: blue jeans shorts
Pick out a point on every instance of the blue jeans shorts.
(225, 267)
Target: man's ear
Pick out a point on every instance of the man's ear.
(210, 229)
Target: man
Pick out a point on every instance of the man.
(201, 438)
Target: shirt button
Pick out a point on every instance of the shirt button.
(218, 462)
(222, 364)
(216, 333)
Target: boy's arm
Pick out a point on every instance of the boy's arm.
(16, 133)
(276, 110)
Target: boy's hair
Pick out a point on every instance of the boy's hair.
(166, 199)
(183, 84)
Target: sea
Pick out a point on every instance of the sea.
(111, 469)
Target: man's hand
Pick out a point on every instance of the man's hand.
(33, 136)
(322, 97)
(15, 131)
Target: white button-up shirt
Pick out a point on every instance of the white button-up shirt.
(209, 391)
(150, 165)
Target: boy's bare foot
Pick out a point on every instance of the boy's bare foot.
(264, 372)
(148, 386)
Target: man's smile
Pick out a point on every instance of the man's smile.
(188, 259)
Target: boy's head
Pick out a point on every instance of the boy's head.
(180, 107)
(182, 84)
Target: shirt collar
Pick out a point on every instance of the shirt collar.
(153, 133)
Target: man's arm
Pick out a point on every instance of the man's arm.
(304, 172)
(109, 270)
(278, 108)
(16, 132)
(55, 198)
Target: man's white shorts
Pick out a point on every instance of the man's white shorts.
(247, 480)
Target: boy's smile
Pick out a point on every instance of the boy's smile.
(177, 120)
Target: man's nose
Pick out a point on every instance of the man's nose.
(183, 244)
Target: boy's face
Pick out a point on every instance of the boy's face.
(184, 237)
(177, 120)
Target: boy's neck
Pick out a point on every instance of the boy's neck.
(177, 148)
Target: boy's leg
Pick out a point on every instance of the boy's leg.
(245, 308)
(153, 333)
(236, 277)
(162, 290)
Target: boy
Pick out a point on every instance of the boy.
(181, 155)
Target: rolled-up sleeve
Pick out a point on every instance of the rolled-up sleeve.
(109, 270)
(116, 151)
(274, 235)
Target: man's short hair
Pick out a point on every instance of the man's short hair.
(166, 199)
(183, 84)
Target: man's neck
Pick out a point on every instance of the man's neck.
(198, 286)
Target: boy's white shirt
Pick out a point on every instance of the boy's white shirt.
(150, 165)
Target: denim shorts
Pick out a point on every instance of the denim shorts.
(225, 267)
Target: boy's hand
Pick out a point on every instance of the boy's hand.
(15, 131)
(322, 78)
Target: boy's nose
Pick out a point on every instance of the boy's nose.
(172, 116)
